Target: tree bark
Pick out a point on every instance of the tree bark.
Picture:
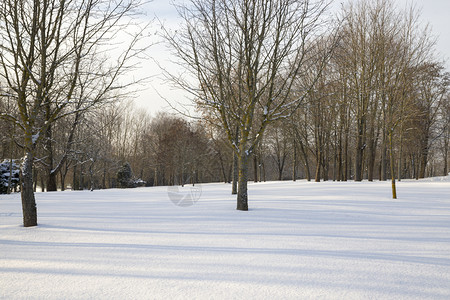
(235, 174)
(446, 157)
(294, 163)
(255, 167)
(359, 153)
(371, 163)
(424, 156)
(242, 195)
(318, 166)
(392, 165)
(27, 193)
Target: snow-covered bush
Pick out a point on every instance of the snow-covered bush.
(6, 173)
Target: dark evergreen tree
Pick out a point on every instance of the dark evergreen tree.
(125, 176)
(9, 175)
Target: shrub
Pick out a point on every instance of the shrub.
(5, 172)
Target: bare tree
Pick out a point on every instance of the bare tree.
(52, 58)
(245, 57)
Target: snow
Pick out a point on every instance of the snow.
(301, 240)
(34, 138)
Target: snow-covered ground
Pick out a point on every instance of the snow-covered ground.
(300, 240)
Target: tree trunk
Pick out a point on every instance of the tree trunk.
(424, 156)
(235, 174)
(294, 164)
(51, 182)
(104, 175)
(222, 168)
(242, 195)
(28, 200)
(392, 165)
(371, 163)
(359, 151)
(9, 190)
(62, 177)
(358, 160)
(318, 165)
(35, 179)
(75, 181)
(383, 162)
(446, 157)
(400, 154)
(255, 167)
(305, 160)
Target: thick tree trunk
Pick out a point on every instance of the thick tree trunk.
(28, 200)
(242, 194)
(51, 182)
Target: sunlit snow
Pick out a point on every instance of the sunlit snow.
(301, 240)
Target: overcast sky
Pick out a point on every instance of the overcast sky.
(434, 12)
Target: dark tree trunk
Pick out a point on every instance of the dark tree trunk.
(104, 175)
(51, 182)
(358, 160)
(28, 200)
(318, 166)
(424, 156)
(371, 162)
(62, 177)
(359, 150)
(76, 181)
(340, 175)
(242, 194)
(51, 174)
(346, 159)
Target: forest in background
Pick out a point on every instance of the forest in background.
(380, 106)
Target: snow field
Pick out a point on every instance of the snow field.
(299, 240)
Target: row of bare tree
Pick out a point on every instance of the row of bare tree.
(352, 94)
(283, 89)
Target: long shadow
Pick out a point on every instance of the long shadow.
(333, 254)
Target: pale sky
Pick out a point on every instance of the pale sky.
(434, 12)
